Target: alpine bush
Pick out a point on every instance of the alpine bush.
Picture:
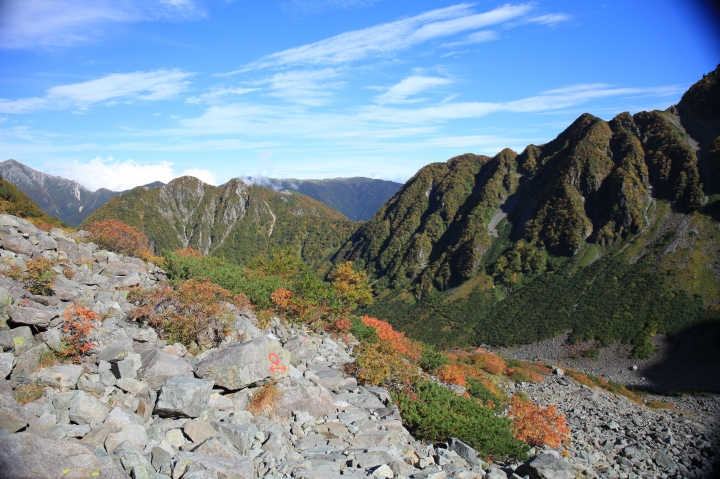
(436, 413)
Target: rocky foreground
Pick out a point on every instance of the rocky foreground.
(138, 407)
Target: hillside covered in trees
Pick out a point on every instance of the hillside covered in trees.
(610, 230)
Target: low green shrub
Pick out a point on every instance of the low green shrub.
(363, 332)
(479, 391)
(431, 358)
(437, 413)
(592, 354)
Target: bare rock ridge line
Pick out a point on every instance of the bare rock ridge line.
(139, 407)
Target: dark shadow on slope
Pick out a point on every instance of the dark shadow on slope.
(690, 361)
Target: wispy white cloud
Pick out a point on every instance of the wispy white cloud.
(476, 37)
(136, 86)
(549, 19)
(42, 23)
(413, 85)
(121, 175)
(390, 37)
(319, 6)
(217, 94)
(304, 87)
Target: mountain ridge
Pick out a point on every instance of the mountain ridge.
(234, 220)
(628, 199)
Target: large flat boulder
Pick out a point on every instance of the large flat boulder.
(86, 409)
(244, 364)
(187, 463)
(315, 400)
(12, 416)
(25, 456)
(30, 316)
(547, 466)
(17, 244)
(159, 366)
(183, 397)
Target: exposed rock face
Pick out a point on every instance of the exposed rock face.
(244, 364)
(215, 219)
(134, 407)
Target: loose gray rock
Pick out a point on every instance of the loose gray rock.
(24, 455)
(241, 365)
(546, 466)
(17, 244)
(19, 339)
(183, 397)
(32, 316)
(12, 416)
(187, 463)
(159, 366)
(86, 409)
(314, 400)
(464, 451)
(7, 361)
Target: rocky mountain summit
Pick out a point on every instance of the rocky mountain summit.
(138, 407)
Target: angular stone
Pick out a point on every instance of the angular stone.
(241, 436)
(464, 451)
(12, 416)
(213, 447)
(241, 365)
(17, 244)
(7, 361)
(24, 456)
(183, 397)
(546, 466)
(664, 462)
(198, 431)
(315, 400)
(86, 409)
(383, 472)
(19, 339)
(129, 385)
(124, 369)
(46, 242)
(116, 351)
(134, 434)
(365, 460)
(158, 367)
(66, 374)
(29, 361)
(161, 460)
(28, 315)
(187, 463)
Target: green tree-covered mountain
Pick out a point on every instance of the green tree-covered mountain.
(15, 202)
(357, 198)
(66, 199)
(610, 230)
(235, 220)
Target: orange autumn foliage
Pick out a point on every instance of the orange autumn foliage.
(538, 426)
(188, 252)
(403, 345)
(114, 235)
(77, 327)
(452, 374)
(491, 363)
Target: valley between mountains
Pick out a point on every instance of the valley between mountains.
(493, 317)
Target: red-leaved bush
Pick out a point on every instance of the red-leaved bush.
(79, 322)
(403, 345)
(193, 311)
(114, 235)
(536, 425)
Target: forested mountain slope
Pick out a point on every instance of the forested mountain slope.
(67, 199)
(357, 198)
(611, 230)
(234, 220)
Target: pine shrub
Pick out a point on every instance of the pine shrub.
(435, 413)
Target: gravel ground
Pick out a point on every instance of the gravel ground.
(688, 363)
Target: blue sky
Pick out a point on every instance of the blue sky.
(117, 93)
